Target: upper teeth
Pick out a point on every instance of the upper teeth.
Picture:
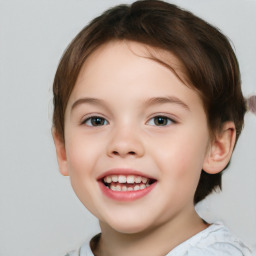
(130, 179)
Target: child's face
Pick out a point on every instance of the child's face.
(149, 125)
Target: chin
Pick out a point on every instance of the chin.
(128, 226)
(129, 230)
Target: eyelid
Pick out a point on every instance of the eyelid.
(91, 115)
(168, 116)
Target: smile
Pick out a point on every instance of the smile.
(126, 183)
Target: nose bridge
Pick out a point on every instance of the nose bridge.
(126, 140)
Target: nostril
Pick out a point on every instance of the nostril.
(116, 153)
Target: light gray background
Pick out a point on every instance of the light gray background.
(39, 213)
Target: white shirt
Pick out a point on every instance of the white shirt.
(216, 240)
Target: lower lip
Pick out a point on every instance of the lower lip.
(125, 195)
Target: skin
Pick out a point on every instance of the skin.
(124, 85)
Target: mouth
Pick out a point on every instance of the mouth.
(125, 183)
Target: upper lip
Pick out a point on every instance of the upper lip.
(124, 171)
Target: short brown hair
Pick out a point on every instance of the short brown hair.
(209, 62)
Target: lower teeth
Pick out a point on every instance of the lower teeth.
(127, 188)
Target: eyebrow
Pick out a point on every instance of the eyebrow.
(87, 100)
(168, 99)
(148, 102)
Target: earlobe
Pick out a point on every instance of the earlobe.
(60, 152)
(221, 149)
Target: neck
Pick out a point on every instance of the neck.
(155, 241)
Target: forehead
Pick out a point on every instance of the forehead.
(135, 49)
(118, 65)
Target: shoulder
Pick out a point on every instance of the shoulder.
(72, 253)
(84, 250)
(215, 240)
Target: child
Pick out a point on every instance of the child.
(147, 111)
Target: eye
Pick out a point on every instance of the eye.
(160, 121)
(95, 121)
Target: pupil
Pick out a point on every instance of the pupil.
(97, 121)
(160, 120)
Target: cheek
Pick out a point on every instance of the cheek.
(181, 160)
(80, 155)
(81, 164)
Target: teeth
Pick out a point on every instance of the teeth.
(113, 187)
(138, 179)
(122, 179)
(142, 186)
(127, 188)
(130, 179)
(107, 179)
(115, 182)
(124, 188)
(144, 180)
(137, 187)
(114, 178)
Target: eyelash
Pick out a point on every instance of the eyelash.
(166, 120)
(92, 119)
(95, 121)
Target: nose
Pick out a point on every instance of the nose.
(125, 142)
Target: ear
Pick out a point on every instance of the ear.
(60, 152)
(221, 149)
